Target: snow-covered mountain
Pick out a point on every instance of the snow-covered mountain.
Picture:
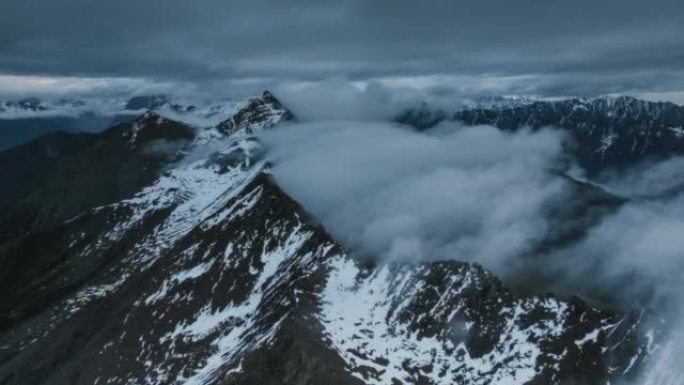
(167, 254)
(606, 131)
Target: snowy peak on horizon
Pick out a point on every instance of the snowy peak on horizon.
(607, 131)
(194, 112)
(256, 114)
(625, 102)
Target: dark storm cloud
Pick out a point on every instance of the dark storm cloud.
(568, 46)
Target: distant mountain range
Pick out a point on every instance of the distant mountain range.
(606, 132)
(163, 251)
(25, 119)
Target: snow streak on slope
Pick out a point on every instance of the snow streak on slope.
(372, 336)
(190, 193)
(200, 192)
(179, 201)
(222, 334)
(402, 323)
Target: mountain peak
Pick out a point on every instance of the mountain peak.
(267, 95)
(152, 126)
(257, 114)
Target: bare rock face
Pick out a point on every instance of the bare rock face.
(208, 273)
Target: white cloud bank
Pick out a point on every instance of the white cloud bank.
(474, 194)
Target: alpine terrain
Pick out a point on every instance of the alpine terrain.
(163, 251)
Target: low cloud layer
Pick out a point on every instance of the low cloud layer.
(637, 254)
(479, 194)
(637, 257)
(474, 194)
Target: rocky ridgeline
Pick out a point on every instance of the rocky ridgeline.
(609, 132)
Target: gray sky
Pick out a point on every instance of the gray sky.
(526, 46)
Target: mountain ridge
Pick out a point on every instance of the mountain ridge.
(208, 273)
(606, 132)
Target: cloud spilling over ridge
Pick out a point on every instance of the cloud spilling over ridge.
(474, 194)
(480, 194)
(483, 195)
(340, 99)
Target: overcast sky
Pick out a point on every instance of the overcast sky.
(549, 47)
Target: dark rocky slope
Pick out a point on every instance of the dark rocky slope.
(24, 166)
(114, 165)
